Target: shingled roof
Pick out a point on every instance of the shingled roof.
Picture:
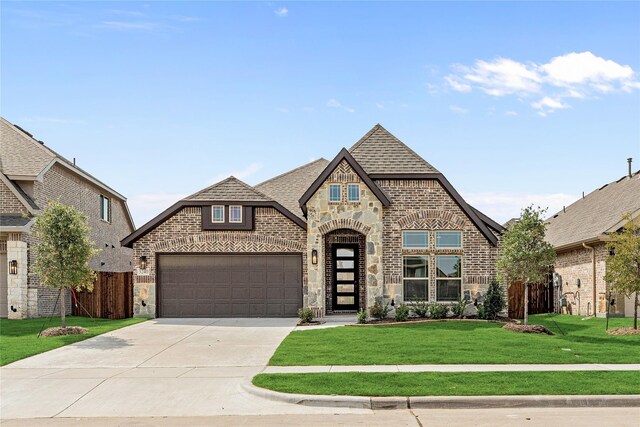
(597, 214)
(288, 187)
(230, 189)
(379, 152)
(20, 154)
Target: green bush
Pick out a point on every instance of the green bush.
(305, 315)
(379, 311)
(482, 314)
(402, 313)
(438, 311)
(420, 308)
(494, 301)
(458, 308)
(362, 316)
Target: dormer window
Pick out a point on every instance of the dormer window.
(235, 214)
(334, 192)
(217, 213)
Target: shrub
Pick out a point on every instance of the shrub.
(438, 311)
(402, 313)
(494, 301)
(458, 307)
(305, 315)
(379, 311)
(420, 308)
(362, 316)
(482, 314)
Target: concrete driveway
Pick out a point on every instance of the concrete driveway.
(162, 367)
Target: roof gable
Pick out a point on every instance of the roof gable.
(346, 156)
(379, 152)
(20, 154)
(230, 189)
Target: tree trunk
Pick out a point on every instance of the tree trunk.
(635, 313)
(526, 304)
(63, 307)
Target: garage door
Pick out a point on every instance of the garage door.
(229, 285)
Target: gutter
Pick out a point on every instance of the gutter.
(593, 274)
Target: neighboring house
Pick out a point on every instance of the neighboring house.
(31, 174)
(579, 234)
(377, 223)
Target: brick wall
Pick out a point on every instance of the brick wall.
(273, 232)
(425, 205)
(9, 203)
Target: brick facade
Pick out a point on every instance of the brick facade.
(9, 203)
(182, 232)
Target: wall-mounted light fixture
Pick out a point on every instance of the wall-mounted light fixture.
(143, 262)
(314, 257)
(13, 267)
(144, 304)
(578, 282)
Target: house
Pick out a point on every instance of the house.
(31, 174)
(579, 234)
(375, 224)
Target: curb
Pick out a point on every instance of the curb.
(448, 402)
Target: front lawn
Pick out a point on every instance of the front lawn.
(575, 341)
(454, 383)
(19, 338)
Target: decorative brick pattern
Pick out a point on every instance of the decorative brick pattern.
(344, 223)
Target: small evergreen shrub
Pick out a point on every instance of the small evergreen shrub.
(482, 314)
(362, 316)
(305, 315)
(420, 308)
(379, 311)
(494, 300)
(458, 308)
(402, 313)
(438, 311)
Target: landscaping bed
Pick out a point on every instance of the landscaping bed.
(461, 342)
(19, 338)
(454, 383)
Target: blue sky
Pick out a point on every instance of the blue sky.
(516, 103)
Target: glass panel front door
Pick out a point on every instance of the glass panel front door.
(345, 277)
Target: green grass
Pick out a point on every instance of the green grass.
(19, 338)
(575, 341)
(454, 383)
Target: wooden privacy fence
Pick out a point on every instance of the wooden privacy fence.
(540, 299)
(111, 298)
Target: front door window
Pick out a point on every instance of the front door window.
(345, 277)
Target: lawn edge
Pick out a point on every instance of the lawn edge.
(446, 402)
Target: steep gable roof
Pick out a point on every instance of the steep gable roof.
(379, 152)
(346, 156)
(20, 154)
(597, 214)
(230, 189)
(288, 187)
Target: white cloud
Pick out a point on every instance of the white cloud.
(503, 206)
(144, 207)
(281, 12)
(458, 110)
(334, 103)
(380, 105)
(510, 113)
(241, 174)
(129, 26)
(574, 75)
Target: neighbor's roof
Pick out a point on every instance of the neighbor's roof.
(379, 152)
(288, 187)
(597, 214)
(230, 189)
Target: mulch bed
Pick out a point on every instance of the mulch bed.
(624, 331)
(59, 331)
(312, 323)
(527, 329)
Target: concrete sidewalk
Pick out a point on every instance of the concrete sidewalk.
(452, 368)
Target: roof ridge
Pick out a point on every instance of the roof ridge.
(291, 171)
(368, 135)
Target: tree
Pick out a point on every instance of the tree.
(63, 250)
(623, 265)
(494, 300)
(525, 256)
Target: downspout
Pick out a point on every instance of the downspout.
(593, 274)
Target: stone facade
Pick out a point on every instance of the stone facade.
(182, 232)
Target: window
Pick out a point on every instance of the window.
(415, 273)
(105, 208)
(415, 239)
(448, 277)
(448, 239)
(353, 192)
(334, 192)
(217, 213)
(235, 213)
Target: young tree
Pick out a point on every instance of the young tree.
(623, 266)
(63, 250)
(525, 256)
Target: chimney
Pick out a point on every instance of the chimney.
(629, 160)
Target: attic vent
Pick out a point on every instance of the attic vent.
(620, 179)
(41, 142)
(24, 131)
(602, 187)
(555, 216)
